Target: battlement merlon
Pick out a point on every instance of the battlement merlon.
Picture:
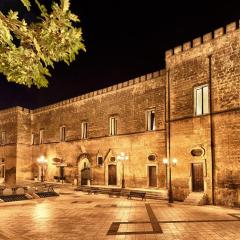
(206, 38)
(15, 110)
(112, 88)
(115, 87)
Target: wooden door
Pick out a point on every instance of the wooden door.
(197, 177)
(112, 175)
(85, 175)
(152, 175)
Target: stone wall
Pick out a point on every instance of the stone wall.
(212, 59)
(8, 124)
(128, 104)
(24, 149)
(186, 135)
(137, 146)
(227, 142)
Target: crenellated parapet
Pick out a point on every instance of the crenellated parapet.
(102, 91)
(206, 38)
(15, 110)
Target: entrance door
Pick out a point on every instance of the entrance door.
(197, 177)
(85, 175)
(152, 175)
(112, 175)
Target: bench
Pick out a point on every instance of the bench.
(115, 192)
(135, 194)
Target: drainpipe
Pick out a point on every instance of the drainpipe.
(212, 129)
(168, 126)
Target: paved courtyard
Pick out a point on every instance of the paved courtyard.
(76, 215)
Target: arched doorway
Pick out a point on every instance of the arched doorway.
(112, 174)
(84, 173)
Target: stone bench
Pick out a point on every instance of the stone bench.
(137, 194)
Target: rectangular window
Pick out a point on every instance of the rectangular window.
(113, 126)
(84, 130)
(99, 161)
(3, 138)
(32, 138)
(151, 120)
(41, 136)
(201, 102)
(62, 133)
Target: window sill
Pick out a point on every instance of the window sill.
(201, 115)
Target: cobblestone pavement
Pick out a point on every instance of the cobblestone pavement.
(79, 216)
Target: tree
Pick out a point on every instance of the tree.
(28, 50)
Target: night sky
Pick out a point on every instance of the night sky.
(124, 39)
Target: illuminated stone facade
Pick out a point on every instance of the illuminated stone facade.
(215, 62)
(190, 111)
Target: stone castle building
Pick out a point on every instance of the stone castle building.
(189, 111)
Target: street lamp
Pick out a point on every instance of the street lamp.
(122, 157)
(42, 161)
(170, 164)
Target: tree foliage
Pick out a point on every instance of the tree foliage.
(27, 50)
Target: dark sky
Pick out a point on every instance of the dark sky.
(124, 39)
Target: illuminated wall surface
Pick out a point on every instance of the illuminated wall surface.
(189, 111)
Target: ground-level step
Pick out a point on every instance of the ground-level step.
(196, 198)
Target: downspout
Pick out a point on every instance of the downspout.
(212, 129)
(166, 125)
(168, 118)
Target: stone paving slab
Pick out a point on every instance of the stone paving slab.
(80, 216)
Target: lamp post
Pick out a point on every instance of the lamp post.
(42, 162)
(170, 163)
(122, 157)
